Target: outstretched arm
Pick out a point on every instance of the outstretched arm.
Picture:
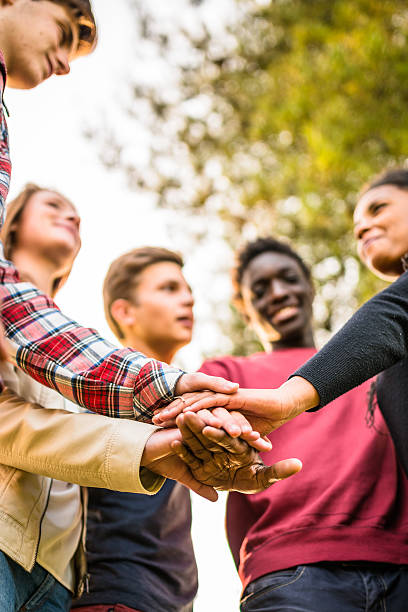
(374, 339)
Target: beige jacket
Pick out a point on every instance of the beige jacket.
(38, 443)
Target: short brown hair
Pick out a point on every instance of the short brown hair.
(81, 11)
(124, 273)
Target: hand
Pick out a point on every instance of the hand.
(234, 423)
(266, 409)
(202, 382)
(159, 457)
(226, 463)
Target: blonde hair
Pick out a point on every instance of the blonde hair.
(8, 234)
(123, 277)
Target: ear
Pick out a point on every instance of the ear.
(123, 312)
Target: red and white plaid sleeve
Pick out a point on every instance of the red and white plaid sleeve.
(59, 353)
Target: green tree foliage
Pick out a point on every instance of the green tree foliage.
(277, 123)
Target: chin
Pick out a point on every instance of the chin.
(28, 80)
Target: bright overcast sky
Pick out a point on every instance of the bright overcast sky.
(46, 127)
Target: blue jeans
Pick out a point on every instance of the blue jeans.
(330, 587)
(30, 591)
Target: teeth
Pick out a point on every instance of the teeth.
(283, 311)
(286, 308)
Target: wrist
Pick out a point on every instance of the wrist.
(158, 445)
(300, 393)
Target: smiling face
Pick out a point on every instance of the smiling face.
(277, 299)
(48, 227)
(38, 39)
(160, 315)
(381, 229)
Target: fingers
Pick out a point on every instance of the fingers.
(165, 424)
(183, 452)
(172, 410)
(169, 412)
(280, 470)
(202, 382)
(205, 403)
(223, 441)
(191, 426)
(234, 423)
(188, 480)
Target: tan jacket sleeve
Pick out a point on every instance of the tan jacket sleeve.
(86, 449)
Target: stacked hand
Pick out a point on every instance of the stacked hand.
(226, 463)
(204, 457)
(198, 386)
(265, 409)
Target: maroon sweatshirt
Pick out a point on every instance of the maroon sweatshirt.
(349, 502)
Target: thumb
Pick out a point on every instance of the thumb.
(200, 382)
(280, 470)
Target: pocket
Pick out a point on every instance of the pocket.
(22, 495)
(47, 592)
(258, 591)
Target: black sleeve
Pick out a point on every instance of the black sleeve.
(375, 338)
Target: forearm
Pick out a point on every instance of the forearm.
(76, 361)
(375, 338)
(85, 449)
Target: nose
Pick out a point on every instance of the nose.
(62, 62)
(73, 218)
(278, 290)
(362, 226)
(188, 298)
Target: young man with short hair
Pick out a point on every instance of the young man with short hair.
(336, 538)
(140, 553)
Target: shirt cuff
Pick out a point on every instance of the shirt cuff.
(154, 388)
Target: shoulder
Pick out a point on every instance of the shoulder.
(217, 365)
(228, 366)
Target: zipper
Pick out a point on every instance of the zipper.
(83, 583)
(41, 522)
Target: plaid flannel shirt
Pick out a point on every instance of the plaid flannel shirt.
(60, 354)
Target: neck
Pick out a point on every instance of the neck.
(4, 43)
(160, 353)
(39, 271)
(306, 340)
